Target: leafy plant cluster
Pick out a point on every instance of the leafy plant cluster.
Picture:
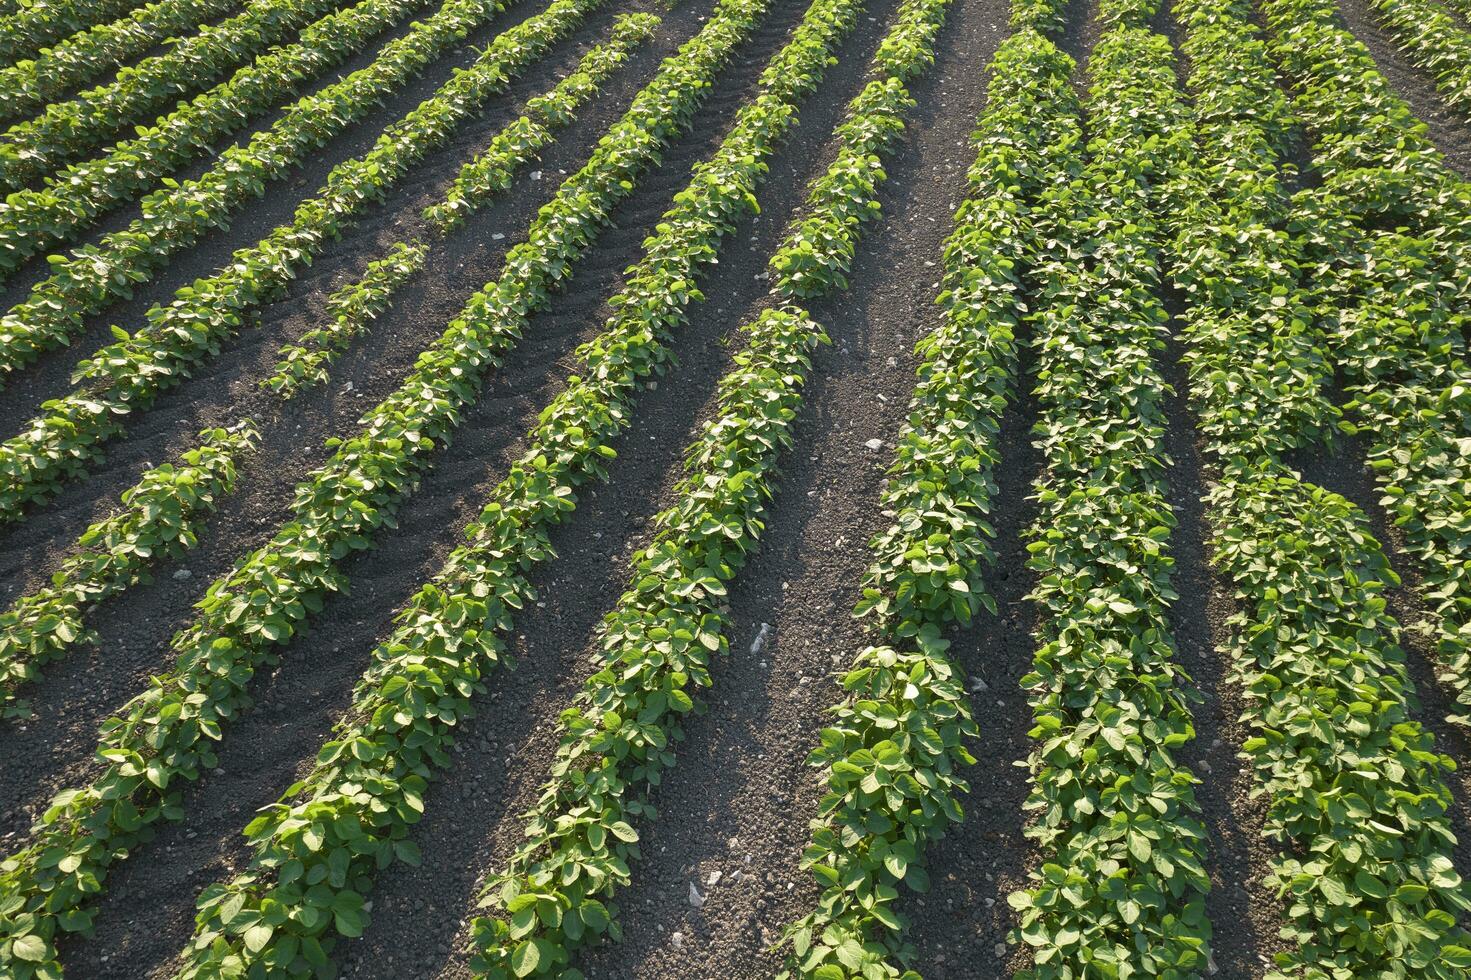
(75, 196)
(177, 215)
(29, 84)
(1387, 245)
(159, 517)
(28, 29)
(319, 850)
(815, 257)
(1257, 369)
(166, 735)
(656, 643)
(1436, 41)
(352, 309)
(491, 171)
(892, 753)
(304, 362)
(126, 376)
(66, 130)
(1122, 885)
(556, 892)
(515, 145)
(1357, 792)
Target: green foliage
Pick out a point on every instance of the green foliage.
(557, 891)
(1122, 885)
(1357, 795)
(354, 306)
(1436, 41)
(350, 310)
(178, 214)
(1387, 236)
(74, 197)
(30, 84)
(35, 25)
(126, 376)
(166, 736)
(68, 129)
(160, 517)
(897, 740)
(655, 113)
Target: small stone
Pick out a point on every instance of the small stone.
(497, 237)
(977, 684)
(677, 940)
(713, 879)
(1000, 951)
(536, 175)
(875, 444)
(696, 899)
(183, 574)
(762, 636)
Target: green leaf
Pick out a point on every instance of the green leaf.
(31, 948)
(526, 958)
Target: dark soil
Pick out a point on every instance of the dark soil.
(734, 814)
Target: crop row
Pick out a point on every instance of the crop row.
(167, 735)
(159, 517)
(1436, 41)
(126, 376)
(178, 215)
(307, 359)
(29, 29)
(1122, 885)
(349, 312)
(73, 198)
(1369, 882)
(891, 754)
(557, 891)
(66, 130)
(29, 85)
(1392, 297)
(351, 816)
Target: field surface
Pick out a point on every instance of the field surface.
(735, 488)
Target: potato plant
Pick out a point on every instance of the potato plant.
(75, 197)
(166, 736)
(891, 756)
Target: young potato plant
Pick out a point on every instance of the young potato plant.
(1370, 886)
(27, 30)
(557, 891)
(1386, 236)
(1121, 891)
(1436, 41)
(29, 85)
(159, 518)
(74, 197)
(166, 736)
(66, 130)
(892, 754)
(179, 214)
(126, 376)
